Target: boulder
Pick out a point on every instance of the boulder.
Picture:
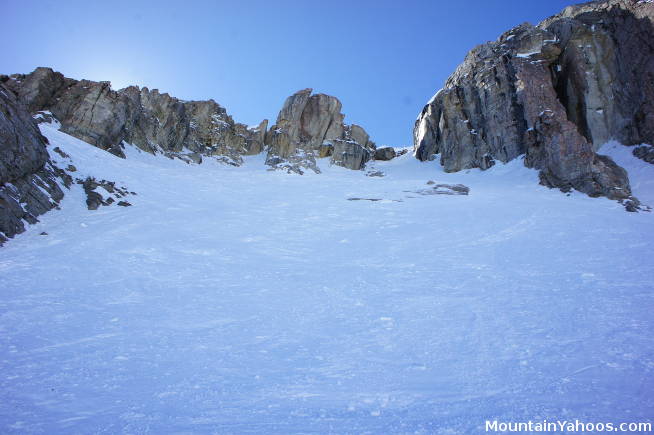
(385, 153)
(350, 154)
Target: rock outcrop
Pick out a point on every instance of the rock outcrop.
(310, 126)
(153, 121)
(385, 153)
(109, 194)
(645, 152)
(28, 181)
(554, 93)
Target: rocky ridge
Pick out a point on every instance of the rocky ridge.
(553, 93)
(153, 121)
(308, 126)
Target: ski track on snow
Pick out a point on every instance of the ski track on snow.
(238, 300)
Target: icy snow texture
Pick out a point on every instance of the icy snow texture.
(237, 300)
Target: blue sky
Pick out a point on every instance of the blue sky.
(382, 59)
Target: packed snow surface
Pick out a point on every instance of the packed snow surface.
(239, 300)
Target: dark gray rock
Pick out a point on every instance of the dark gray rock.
(350, 154)
(443, 189)
(604, 76)
(195, 158)
(22, 149)
(555, 93)
(61, 153)
(385, 153)
(644, 152)
(95, 198)
(28, 181)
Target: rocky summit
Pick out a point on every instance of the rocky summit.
(554, 93)
(310, 126)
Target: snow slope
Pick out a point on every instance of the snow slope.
(238, 300)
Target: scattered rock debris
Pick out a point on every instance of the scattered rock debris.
(95, 199)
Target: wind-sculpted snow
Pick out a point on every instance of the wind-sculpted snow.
(239, 300)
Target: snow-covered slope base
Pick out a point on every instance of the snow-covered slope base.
(237, 300)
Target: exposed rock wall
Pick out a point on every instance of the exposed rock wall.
(310, 126)
(554, 92)
(605, 75)
(155, 122)
(28, 181)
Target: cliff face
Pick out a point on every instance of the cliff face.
(154, 122)
(553, 92)
(310, 126)
(28, 181)
(605, 75)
